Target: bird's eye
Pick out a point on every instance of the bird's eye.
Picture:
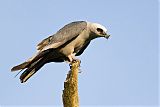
(99, 30)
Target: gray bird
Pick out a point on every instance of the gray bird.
(68, 42)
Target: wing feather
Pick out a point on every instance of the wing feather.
(64, 35)
(43, 43)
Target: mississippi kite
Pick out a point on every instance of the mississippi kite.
(68, 42)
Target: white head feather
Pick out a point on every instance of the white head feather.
(96, 25)
(98, 29)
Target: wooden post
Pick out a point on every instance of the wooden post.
(70, 92)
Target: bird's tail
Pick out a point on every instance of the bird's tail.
(20, 66)
(31, 66)
(32, 69)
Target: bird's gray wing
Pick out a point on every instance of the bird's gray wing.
(63, 36)
(44, 43)
(83, 48)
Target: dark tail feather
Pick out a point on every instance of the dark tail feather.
(29, 62)
(20, 67)
(32, 69)
(32, 66)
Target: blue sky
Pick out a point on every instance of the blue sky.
(116, 72)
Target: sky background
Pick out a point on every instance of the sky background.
(120, 71)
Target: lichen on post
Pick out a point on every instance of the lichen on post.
(70, 92)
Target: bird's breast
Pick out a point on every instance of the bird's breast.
(74, 46)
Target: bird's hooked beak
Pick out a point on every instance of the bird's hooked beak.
(106, 35)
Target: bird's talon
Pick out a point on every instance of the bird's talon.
(74, 60)
(70, 65)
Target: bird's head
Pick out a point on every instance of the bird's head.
(98, 30)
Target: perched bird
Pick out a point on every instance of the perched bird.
(68, 42)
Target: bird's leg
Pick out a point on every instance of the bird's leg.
(72, 58)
